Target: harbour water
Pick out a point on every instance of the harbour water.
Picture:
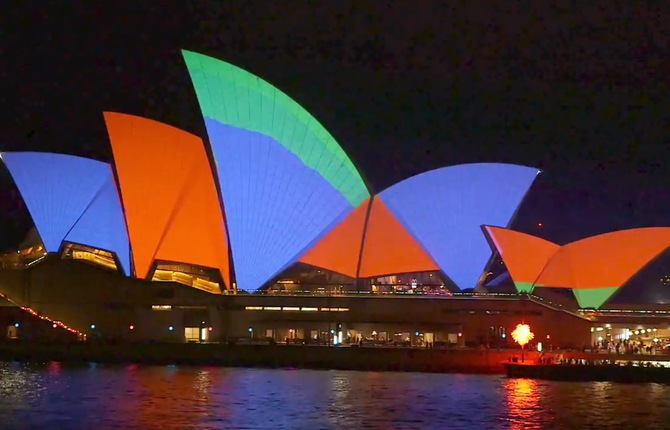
(53, 395)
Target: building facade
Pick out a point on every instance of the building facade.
(267, 232)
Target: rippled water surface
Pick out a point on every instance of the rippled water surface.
(133, 397)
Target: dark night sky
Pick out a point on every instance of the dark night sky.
(578, 90)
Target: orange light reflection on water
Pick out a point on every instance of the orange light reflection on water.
(177, 397)
(523, 402)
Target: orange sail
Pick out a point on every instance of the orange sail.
(524, 255)
(597, 266)
(340, 249)
(389, 248)
(169, 195)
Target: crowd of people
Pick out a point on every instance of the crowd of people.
(653, 347)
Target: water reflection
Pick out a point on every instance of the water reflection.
(176, 397)
(184, 393)
(17, 386)
(523, 404)
(54, 368)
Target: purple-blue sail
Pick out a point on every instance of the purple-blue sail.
(276, 207)
(71, 198)
(103, 226)
(445, 208)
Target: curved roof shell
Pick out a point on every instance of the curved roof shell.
(389, 248)
(594, 267)
(431, 221)
(169, 195)
(524, 255)
(444, 209)
(285, 181)
(71, 199)
(340, 249)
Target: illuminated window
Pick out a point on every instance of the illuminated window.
(189, 275)
(90, 255)
(22, 258)
(192, 334)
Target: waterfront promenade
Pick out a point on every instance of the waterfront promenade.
(271, 356)
(461, 360)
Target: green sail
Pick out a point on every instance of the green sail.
(240, 99)
(593, 297)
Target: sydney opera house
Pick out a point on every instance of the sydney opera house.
(266, 231)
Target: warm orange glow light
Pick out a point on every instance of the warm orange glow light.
(522, 334)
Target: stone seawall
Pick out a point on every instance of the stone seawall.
(311, 357)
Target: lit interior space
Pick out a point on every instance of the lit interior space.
(90, 255)
(380, 335)
(22, 258)
(186, 274)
